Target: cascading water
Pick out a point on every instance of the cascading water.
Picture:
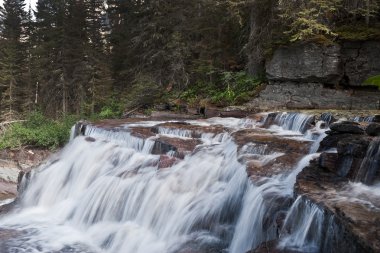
(302, 230)
(106, 193)
(295, 122)
(371, 164)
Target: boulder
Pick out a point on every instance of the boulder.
(328, 161)
(373, 129)
(347, 127)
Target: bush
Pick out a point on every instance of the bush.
(38, 131)
(230, 88)
(111, 110)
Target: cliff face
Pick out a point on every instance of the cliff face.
(313, 76)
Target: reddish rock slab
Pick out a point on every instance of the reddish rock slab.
(196, 131)
(167, 161)
(181, 146)
(275, 143)
(142, 132)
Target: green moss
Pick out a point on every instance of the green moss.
(373, 81)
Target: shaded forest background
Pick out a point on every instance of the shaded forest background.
(87, 57)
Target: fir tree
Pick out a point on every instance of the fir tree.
(12, 55)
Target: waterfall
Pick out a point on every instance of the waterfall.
(105, 192)
(302, 230)
(370, 167)
(106, 197)
(363, 119)
(269, 198)
(295, 122)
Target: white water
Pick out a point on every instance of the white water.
(302, 230)
(371, 163)
(294, 122)
(107, 195)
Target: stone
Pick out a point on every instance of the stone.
(180, 146)
(307, 62)
(373, 129)
(355, 146)
(361, 61)
(353, 225)
(167, 161)
(328, 118)
(294, 95)
(328, 161)
(376, 118)
(347, 127)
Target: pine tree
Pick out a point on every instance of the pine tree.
(49, 51)
(30, 93)
(99, 86)
(12, 55)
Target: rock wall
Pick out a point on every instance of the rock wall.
(311, 76)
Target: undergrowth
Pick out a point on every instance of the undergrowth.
(37, 131)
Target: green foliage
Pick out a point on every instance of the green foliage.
(113, 109)
(311, 19)
(359, 32)
(373, 81)
(37, 131)
(230, 88)
(144, 92)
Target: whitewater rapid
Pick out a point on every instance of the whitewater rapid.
(107, 194)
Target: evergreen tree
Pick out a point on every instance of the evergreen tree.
(12, 55)
(99, 79)
(50, 50)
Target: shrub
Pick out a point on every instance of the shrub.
(37, 131)
(230, 88)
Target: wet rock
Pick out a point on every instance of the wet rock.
(331, 140)
(356, 146)
(351, 217)
(194, 131)
(373, 129)
(181, 147)
(90, 139)
(167, 161)
(275, 143)
(328, 161)
(274, 161)
(347, 127)
(328, 118)
(376, 118)
(142, 132)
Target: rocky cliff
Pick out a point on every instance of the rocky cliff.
(314, 76)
